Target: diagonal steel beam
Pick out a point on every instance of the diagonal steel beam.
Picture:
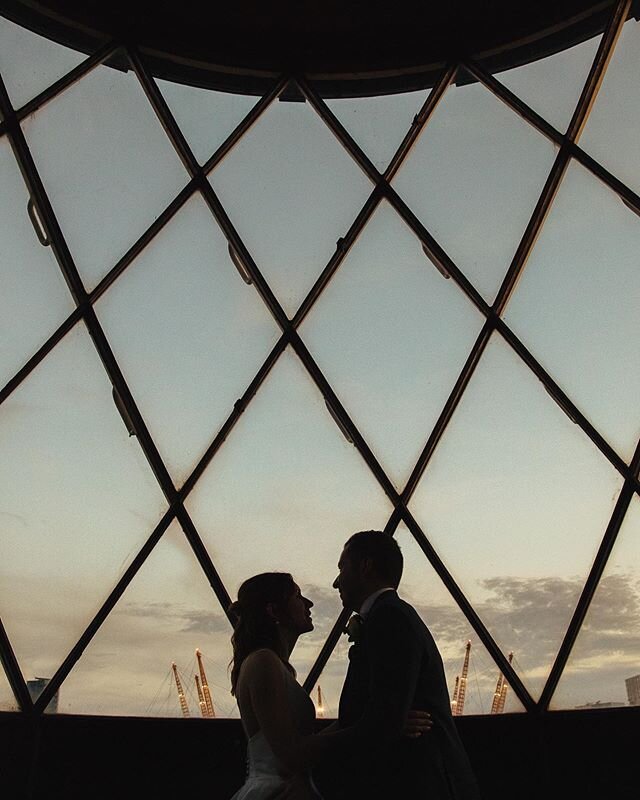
(591, 585)
(469, 612)
(102, 54)
(598, 69)
(78, 649)
(13, 672)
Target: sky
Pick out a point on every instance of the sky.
(516, 498)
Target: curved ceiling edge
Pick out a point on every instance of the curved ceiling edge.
(342, 71)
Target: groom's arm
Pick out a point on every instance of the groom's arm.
(394, 652)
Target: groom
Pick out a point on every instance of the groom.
(394, 666)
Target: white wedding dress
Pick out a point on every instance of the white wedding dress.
(265, 776)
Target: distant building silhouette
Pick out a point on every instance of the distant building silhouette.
(633, 690)
(600, 704)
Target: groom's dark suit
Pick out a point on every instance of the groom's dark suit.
(395, 666)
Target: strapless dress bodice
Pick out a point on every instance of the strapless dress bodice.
(264, 774)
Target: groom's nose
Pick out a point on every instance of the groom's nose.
(336, 583)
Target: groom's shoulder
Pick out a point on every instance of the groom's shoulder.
(390, 606)
(390, 609)
(391, 599)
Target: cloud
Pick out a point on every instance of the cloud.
(530, 617)
(534, 613)
(181, 618)
(612, 624)
(527, 615)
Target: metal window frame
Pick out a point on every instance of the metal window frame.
(10, 125)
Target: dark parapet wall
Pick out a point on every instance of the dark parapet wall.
(584, 754)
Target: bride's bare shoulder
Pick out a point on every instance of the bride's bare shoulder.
(261, 660)
(261, 671)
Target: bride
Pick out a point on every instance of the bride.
(277, 714)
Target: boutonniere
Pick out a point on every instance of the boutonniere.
(353, 628)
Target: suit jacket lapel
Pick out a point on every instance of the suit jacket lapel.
(355, 689)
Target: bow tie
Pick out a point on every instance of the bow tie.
(354, 628)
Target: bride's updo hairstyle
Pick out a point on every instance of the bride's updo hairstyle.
(253, 626)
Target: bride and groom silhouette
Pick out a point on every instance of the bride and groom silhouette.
(395, 736)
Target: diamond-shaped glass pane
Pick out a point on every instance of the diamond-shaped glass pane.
(206, 117)
(576, 306)
(291, 191)
(379, 124)
(552, 85)
(34, 298)
(515, 501)
(604, 665)
(167, 612)
(29, 63)
(107, 165)
(391, 335)
(189, 334)
(79, 500)
(283, 494)
(473, 178)
(611, 132)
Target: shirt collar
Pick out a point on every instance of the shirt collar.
(365, 608)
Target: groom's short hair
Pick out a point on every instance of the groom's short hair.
(383, 550)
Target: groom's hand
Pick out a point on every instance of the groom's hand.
(418, 722)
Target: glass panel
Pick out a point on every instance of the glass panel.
(331, 681)
(611, 132)
(422, 587)
(391, 335)
(291, 191)
(8, 700)
(34, 298)
(603, 668)
(378, 124)
(284, 493)
(107, 165)
(167, 613)
(552, 85)
(30, 63)
(473, 178)
(576, 306)
(206, 117)
(188, 333)
(516, 500)
(79, 502)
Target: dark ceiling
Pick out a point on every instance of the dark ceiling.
(350, 46)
